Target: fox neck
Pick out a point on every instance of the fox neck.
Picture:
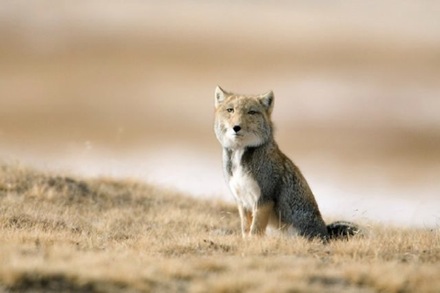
(234, 156)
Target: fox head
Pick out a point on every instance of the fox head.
(242, 121)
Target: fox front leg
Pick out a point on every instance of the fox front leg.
(246, 220)
(260, 218)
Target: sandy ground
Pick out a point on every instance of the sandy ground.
(126, 90)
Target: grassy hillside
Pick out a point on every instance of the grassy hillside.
(60, 233)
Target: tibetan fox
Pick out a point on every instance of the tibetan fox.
(268, 188)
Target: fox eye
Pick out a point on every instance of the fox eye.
(230, 110)
(252, 112)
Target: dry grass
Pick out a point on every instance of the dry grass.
(66, 234)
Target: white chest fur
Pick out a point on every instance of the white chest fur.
(244, 188)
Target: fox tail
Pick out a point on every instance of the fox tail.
(342, 230)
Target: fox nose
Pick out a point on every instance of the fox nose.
(236, 128)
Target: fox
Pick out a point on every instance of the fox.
(269, 189)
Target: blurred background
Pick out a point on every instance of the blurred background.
(126, 89)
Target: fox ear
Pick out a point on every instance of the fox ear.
(267, 100)
(220, 96)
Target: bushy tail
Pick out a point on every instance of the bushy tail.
(342, 230)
